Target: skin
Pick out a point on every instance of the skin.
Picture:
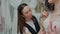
(27, 14)
(51, 1)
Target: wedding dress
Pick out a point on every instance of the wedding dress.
(55, 20)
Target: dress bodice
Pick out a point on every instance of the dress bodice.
(55, 23)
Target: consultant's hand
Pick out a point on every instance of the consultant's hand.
(50, 31)
(44, 14)
(42, 32)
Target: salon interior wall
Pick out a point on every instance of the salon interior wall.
(0, 19)
(9, 14)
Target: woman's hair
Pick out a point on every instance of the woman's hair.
(49, 6)
(21, 19)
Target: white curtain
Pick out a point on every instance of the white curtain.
(0, 19)
(9, 15)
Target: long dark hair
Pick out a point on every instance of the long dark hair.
(49, 6)
(21, 19)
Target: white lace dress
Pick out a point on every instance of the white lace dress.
(56, 22)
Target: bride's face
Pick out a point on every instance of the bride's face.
(51, 1)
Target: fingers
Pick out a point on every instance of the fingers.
(43, 32)
(44, 14)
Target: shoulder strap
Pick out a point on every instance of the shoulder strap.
(36, 24)
(31, 29)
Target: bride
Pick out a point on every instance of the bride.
(52, 23)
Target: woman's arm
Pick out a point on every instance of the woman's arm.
(42, 14)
